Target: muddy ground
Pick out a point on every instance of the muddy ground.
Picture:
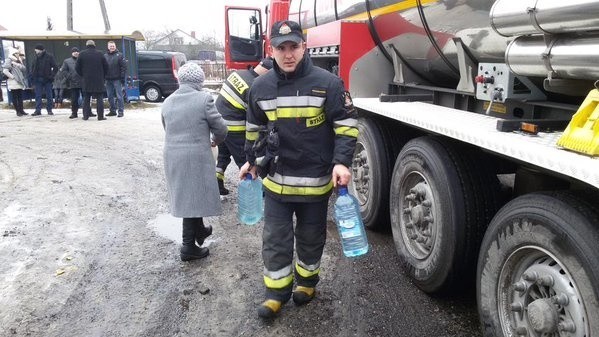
(87, 249)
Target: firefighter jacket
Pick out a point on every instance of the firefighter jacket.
(233, 97)
(316, 124)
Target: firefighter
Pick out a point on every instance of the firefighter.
(311, 135)
(232, 105)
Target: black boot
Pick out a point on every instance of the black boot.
(189, 250)
(221, 187)
(202, 232)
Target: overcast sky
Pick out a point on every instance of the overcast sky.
(205, 17)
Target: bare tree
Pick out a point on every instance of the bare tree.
(151, 37)
(49, 25)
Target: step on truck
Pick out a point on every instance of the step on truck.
(478, 143)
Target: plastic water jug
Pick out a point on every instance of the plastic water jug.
(350, 225)
(250, 207)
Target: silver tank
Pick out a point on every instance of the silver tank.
(486, 27)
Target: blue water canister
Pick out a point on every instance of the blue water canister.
(249, 204)
(350, 225)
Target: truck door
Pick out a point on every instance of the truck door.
(244, 46)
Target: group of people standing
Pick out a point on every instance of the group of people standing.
(89, 73)
(299, 127)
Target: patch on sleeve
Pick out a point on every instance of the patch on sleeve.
(348, 104)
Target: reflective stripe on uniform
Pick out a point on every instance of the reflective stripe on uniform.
(235, 125)
(299, 181)
(296, 190)
(305, 270)
(251, 135)
(252, 127)
(220, 175)
(270, 104)
(346, 131)
(278, 279)
(231, 96)
(351, 122)
(289, 101)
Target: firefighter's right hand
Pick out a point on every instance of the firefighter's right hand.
(247, 168)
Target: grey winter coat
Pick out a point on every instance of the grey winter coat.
(16, 73)
(73, 79)
(189, 116)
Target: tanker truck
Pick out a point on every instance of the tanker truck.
(478, 142)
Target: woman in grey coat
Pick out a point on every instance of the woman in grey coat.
(189, 117)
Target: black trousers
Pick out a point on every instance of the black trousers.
(87, 108)
(232, 146)
(17, 99)
(75, 93)
(278, 241)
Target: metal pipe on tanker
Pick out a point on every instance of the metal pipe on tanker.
(569, 58)
(512, 18)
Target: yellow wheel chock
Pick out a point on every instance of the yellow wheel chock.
(582, 134)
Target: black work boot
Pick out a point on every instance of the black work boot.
(189, 250)
(303, 295)
(269, 309)
(221, 187)
(202, 232)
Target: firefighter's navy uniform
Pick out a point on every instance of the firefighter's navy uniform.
(317, 128)
(232, 105)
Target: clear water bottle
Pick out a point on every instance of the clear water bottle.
(350, 225)
(250, 207)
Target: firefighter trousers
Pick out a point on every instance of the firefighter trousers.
(232, 146)
(278, 239)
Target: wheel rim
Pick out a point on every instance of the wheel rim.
(361, 174)
(537, 296)
(152, 94)
(417, 224)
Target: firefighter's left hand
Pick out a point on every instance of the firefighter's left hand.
(341, 175)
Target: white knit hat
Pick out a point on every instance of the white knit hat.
(191, 73)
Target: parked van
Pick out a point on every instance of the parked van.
(158, 73)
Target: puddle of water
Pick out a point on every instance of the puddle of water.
(167, 226)
(170, 227)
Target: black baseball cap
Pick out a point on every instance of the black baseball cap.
(283, 31)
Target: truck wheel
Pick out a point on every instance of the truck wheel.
(538, 270)
(371, 169)
(440, 206)
(152, 93)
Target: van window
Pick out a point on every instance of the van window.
(152, 61)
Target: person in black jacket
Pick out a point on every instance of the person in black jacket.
(312, 132)
(43, 71)
(232, 104)
(73, 80)
(92, 67)
(115, 78)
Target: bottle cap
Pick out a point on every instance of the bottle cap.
(248, 176)
(342, 190)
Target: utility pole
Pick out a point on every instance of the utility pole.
(105, 16)
(70, 15)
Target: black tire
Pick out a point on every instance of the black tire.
(152, 93)
(371, 174)
(538, 248)
(440, 206)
